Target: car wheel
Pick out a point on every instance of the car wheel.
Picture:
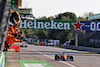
(71, 57)
(56, 57)
(67, 57)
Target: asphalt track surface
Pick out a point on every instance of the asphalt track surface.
(47, 53)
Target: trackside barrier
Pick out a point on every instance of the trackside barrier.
(2, 60)
(91, 49)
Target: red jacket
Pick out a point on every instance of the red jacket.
(11, 40)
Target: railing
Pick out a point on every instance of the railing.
(4, 17)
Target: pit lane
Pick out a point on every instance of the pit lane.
(47, 53)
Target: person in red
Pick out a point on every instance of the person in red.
(12, 30)
(14, 22)
(10, 40)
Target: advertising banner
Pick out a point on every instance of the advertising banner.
(61, 25)
(91, 25)
(13, 4)
(22, 11)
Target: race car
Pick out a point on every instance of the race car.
(63, 56)
(23, 45)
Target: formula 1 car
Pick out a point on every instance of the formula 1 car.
(63, 56)
(23, 45)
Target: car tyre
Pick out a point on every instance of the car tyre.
(56, 57)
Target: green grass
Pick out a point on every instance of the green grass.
(35, 62)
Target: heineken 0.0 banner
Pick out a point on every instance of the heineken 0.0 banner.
(61, 25)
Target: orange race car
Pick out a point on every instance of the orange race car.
(63, 56)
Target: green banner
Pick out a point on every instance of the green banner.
(62, 25)
(12, 3)
(48, 24)
(23, 11)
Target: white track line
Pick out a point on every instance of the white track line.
(53, 58)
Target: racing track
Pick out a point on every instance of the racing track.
(47, 53)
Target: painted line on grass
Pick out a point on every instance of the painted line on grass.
(34, 63)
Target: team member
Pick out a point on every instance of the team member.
(14, 22)
(13, 30)
(15, 18)
(10, 40)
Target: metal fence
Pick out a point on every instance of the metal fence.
(4, 17)
(89, 39)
